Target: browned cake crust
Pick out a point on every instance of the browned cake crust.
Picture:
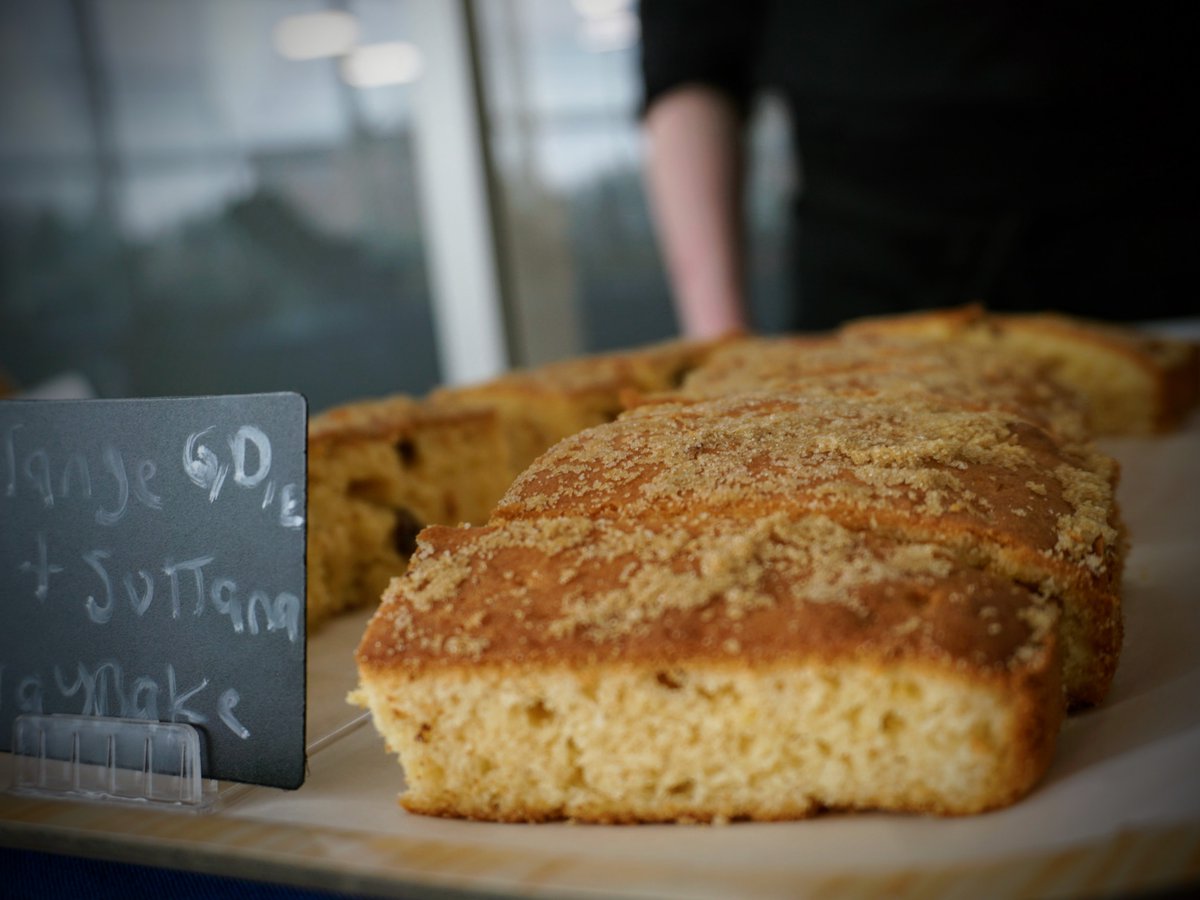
(1170, 369)
(539, 407)
(1132, 381)
(896, 368)
(550, 614)
(985, 482)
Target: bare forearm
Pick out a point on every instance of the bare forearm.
(694, 175)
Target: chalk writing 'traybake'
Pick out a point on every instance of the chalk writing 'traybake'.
(103, 690)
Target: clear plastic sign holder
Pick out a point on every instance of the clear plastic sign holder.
(111, 759)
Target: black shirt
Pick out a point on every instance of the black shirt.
(920, 121)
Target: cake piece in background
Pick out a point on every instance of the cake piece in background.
(1137, 383)
(890, 367)
(1133, 382)
(381, 470)
(540, 406)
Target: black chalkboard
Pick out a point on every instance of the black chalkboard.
(152, 558)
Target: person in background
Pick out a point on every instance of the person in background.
(1028, 155)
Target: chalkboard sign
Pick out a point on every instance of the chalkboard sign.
(152, 559)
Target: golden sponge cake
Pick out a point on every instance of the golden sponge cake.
(379, 471)
(1133, 382)
(704, 670)
(891, 367)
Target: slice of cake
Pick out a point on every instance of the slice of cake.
(1134, 382)
(896, 368)
(706, 668)
(1137, 383)
(539, 407)
(381, 470)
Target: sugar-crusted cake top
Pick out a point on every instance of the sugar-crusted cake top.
(1075, 351)
(654, 368)
(898, 369)
(1153, 351)
(927, 465)
(580, 591)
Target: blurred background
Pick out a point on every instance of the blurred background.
(345, 198)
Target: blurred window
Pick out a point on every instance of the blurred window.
(216, 196)
(191, 204)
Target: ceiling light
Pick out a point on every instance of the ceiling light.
(600, 9)
(315, 35)
(619, 31)
(378, 65)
